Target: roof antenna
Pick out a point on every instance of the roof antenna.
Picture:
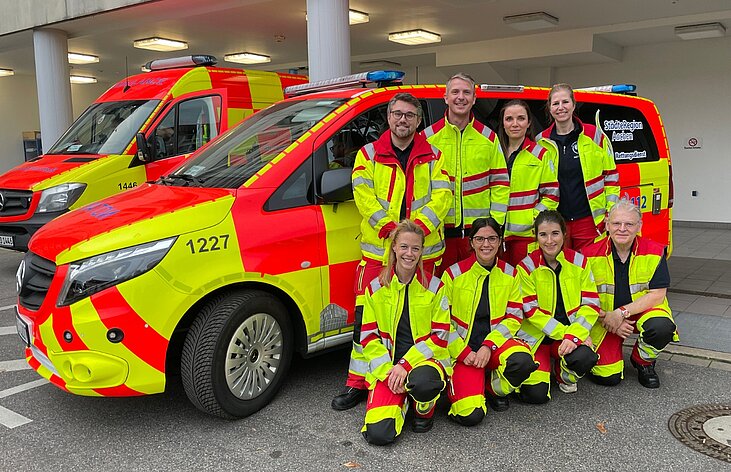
(126, 73)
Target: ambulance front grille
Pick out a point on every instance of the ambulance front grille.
(34, 280)
(14, 202)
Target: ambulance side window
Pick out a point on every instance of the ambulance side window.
(187, 126)
(295, 191)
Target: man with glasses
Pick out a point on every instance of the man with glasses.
(398, 176)
(476, 166)
(631, 274)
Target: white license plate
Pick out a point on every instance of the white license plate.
(6, 241)
(23, 331)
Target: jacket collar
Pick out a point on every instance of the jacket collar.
(385, 153)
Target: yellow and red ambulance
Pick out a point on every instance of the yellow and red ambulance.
(246, 253)
(179, 106)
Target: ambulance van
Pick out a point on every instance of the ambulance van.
(246, 254)
(178, 107)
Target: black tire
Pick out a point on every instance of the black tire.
(247, 328)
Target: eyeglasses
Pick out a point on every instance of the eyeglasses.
(409, 115)
(482, 239)
(619, 224)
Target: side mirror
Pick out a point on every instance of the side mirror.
(144, 153)
(336, 185)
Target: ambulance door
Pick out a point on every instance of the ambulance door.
(187, 125)
(337, 150)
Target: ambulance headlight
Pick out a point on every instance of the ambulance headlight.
(60, 197)
(92, 275)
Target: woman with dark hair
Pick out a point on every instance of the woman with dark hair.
(484, 292)
(561, 305)
(533, 184)
(588, 181)
(404, 338)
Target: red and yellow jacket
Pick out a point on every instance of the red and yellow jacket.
(463, 282)
(380, 186)
(429, 317)
(533, 188)
(601, 178)
(477, 171)
(538, 286)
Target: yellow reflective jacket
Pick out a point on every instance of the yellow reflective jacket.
(533, 188)
(538, 287)
(476, 166)
(463, 282)
(601, 178)
(380, 186)
(428, 316)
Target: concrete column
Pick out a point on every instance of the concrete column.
(328, 39)
(52, 80)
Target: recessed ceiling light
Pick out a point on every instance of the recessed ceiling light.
(414, 37)
(78, 58)
(6, 72)
(82, 79)
(160, 44)
(702, 31)
(247, 58)
(356, 17)
(531, 21)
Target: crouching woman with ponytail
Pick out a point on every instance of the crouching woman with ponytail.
(404, 339)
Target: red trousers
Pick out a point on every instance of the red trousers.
(516, 248)
(580, 233)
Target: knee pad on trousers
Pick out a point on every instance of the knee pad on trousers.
(535, 394)
(519, 367)
(609, 381)
(581, 360)
(658, 332)
(381, 433)
(424, 383)
(358, 323)
(473, 419)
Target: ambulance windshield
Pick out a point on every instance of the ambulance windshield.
(245, 149)
(105, 128)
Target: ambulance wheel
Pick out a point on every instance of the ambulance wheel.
(236, 353)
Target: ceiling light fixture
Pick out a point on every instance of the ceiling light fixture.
(160, 44)
(78, 58)
(6, 72)
(701, 31)
(414, 37)
(247, 58)
(82, 79)
(531, 21)
(356, 17)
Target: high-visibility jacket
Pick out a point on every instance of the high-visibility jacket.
(380, 186)
(601, 178)
(645, 257)
(533, 188)
(464, 281)
(477, 171)
(538, 287)
(429, 321)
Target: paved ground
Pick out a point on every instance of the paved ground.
(622, 428)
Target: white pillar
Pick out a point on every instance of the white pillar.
(52, 80)
(328, 39)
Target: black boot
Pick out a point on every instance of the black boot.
(646, 374)
(497, 403)
(348, 399)
(422, 425)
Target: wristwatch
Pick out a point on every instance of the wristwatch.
(625, 312)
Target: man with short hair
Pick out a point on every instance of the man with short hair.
(398, 176)
(476, 166)
(632, 278)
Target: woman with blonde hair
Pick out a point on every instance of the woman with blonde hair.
(404, 339)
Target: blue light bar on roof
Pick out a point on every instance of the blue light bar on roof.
(377, 76)
(616, 88)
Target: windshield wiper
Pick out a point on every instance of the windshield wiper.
(190, 179)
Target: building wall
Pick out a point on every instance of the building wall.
(689, 81)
